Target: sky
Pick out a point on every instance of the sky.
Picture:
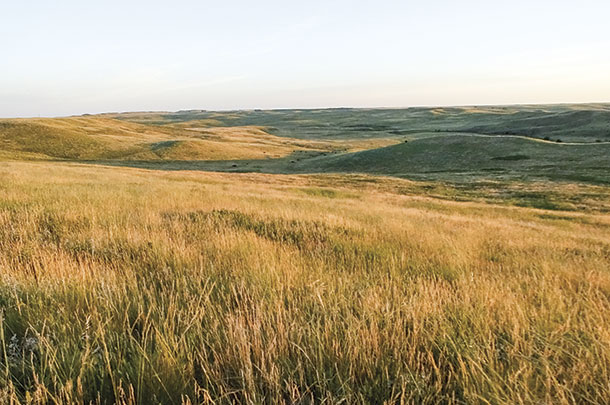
(68, 57)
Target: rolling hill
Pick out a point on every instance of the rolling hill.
(381, 256)
(573, 123)
(102, 138)
(465, 156)
(455, 144)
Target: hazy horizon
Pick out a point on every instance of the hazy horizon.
(71, 58)
(584, 103)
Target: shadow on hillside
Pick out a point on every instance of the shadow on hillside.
(291, 164)
(238, 166)
(287, 165)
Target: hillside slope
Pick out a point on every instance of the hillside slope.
(459, 156)
(102, 138)
(494, 142)
(78, 137)
(578, 122)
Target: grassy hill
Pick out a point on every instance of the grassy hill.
(575, 123)
(116, 136)
(144, 260)
(462, 157)
(448, 157)
(95, 138)
(78, 138)
(449, 144)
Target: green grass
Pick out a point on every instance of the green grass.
(450, 158)
(462, 157)
(579, 123)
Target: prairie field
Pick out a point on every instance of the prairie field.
(132, 276)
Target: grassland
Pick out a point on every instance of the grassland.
(570, 123)
(369, 270)
(96, 138)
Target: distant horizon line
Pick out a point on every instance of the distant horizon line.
(424, 106)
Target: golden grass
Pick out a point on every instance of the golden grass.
(134, 286)
(102, 138)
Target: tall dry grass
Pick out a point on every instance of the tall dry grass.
(137, 287)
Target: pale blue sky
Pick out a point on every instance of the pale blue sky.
(76, 56)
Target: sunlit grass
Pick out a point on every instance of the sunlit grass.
(134, 286)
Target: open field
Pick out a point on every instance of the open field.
(273, 257)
